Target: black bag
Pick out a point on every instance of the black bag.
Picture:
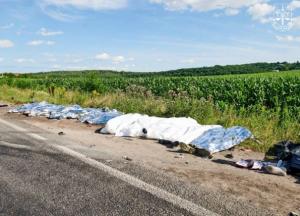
(295, 158)
(289, 152)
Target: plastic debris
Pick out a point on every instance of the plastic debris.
(127, 158)
(250, 164)
(52, 111)
(275, 170)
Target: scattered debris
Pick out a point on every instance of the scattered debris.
(293, 214)
(98, 130)
(230, 156)
(108, 161)
(61, 133)
(250, 164)
(93, 145)
(289, 152)
(168, 144)
(275, 170)
(127, 158)
(180, 156)
(3, 105)
(186, 162)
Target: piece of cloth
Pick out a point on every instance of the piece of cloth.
(250, 164)
(213, 138)
(220, 139)
(52, 111)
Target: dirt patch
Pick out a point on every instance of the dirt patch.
(281, 194)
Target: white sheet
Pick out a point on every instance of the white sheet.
(183, 130)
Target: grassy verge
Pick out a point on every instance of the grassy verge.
(268, 126)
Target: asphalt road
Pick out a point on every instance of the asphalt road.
(41, 175)
(36, 179)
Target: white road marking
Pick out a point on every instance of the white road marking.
(13, 145)
(20, 129)
(155, 191)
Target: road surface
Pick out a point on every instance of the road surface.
(41, 175)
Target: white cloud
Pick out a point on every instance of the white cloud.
(260, 12)
(52, 60)
(88, 4)
(8, 26)
(294, 4)
(6, 44)
(35, 43)
(103, 56)
(49, 43)
(114, 59)
(288, 38)
(56, 66)
(205, 5)
(118, 59)
(231, 12)
(189, 61)
(296, 23)
(45, 32)
(40, 42)
(24, 60)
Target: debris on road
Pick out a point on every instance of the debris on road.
(61, 133)
(230, 155)
(275, 170)
(3, 105)
(250, 164)
(127, 158)
(293, 214)
(179, 156)
(290, 153)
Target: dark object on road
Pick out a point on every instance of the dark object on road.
(293, 214)
(98, 130)
(3, 105)
(230, 155)
(61, 133)
(289, 152)
(145, 131)
(168, 144)
(127, 158)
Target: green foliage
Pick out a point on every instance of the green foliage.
(252, 91)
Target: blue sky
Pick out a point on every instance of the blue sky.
(142, 35)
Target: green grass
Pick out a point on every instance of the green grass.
(269, 126)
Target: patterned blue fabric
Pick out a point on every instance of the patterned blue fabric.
(213, 140)
(220, 139)
(52, 111)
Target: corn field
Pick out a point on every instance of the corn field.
(277, 91)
